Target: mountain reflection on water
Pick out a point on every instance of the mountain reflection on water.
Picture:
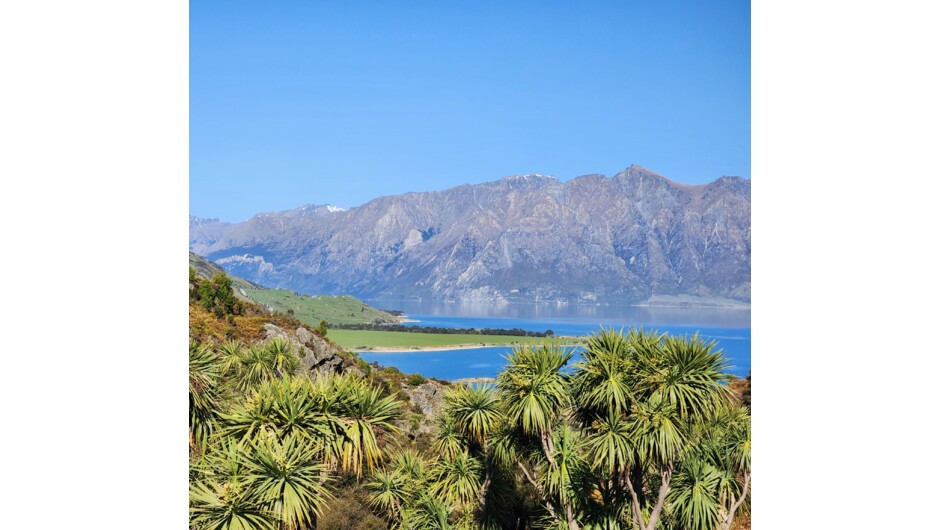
(729, 328)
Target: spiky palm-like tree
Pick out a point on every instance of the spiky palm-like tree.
(567, 464)
(220, 497)
(287, 476)
(365, 413)
(475, 410)
(283, 358)
(457, 479)
(450, 439)
(389, 493)
(737, 444)
(604, 378)
(411, 464)
(693, 498)
(204, 393)
(281, 408)
(258, 367)
(638, 397)
(430, 513)
(724, 444)
(685, 372)
(231, 353)
(536, 395)
(535, 388)
(221, 506)
(476, 413)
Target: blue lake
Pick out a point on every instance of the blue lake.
(729, 328)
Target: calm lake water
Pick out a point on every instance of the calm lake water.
(729, 328)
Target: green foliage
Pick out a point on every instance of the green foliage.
(456, 479)
(416, 379)
(270, 443)
(205, 393)
(226, 507)
(475, 411)
(321, 328)
(312, 309)
(215, 295)
(363, 365)
(535, 387)
(287, 476)
(642, 433)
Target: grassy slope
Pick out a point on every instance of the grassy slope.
(398, 339)
(311, 310)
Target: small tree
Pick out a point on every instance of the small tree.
(321, 328)
(217, 295)
(225, 296)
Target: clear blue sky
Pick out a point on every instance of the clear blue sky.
(306, 102)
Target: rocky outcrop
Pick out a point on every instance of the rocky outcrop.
(428, 398)
(528, 238)
(316, 354)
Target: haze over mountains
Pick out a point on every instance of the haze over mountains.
(632, 238)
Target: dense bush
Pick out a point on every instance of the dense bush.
(645, 432)
(642, 433)
(416, 380)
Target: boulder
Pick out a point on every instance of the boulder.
(427, 397)
(316, 354)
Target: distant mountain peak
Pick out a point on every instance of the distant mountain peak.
(636, 170)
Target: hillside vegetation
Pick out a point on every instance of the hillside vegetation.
(644, 433)
(647, 431)
(308, 309)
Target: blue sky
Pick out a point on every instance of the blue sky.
(294, 103)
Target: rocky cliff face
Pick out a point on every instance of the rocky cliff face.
(316, 354)
(524, 238)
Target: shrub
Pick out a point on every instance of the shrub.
(416, 379)
(364, 366)
(414, 421)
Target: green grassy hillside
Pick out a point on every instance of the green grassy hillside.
(310, 310)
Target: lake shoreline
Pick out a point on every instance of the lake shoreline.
(416, 349)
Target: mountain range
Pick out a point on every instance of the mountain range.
(636, 237)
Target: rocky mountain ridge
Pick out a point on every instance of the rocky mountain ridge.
(525, 238)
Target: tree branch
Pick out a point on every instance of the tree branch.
(736, 504)
(538, 488)
(635, 502)
(666, 474)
